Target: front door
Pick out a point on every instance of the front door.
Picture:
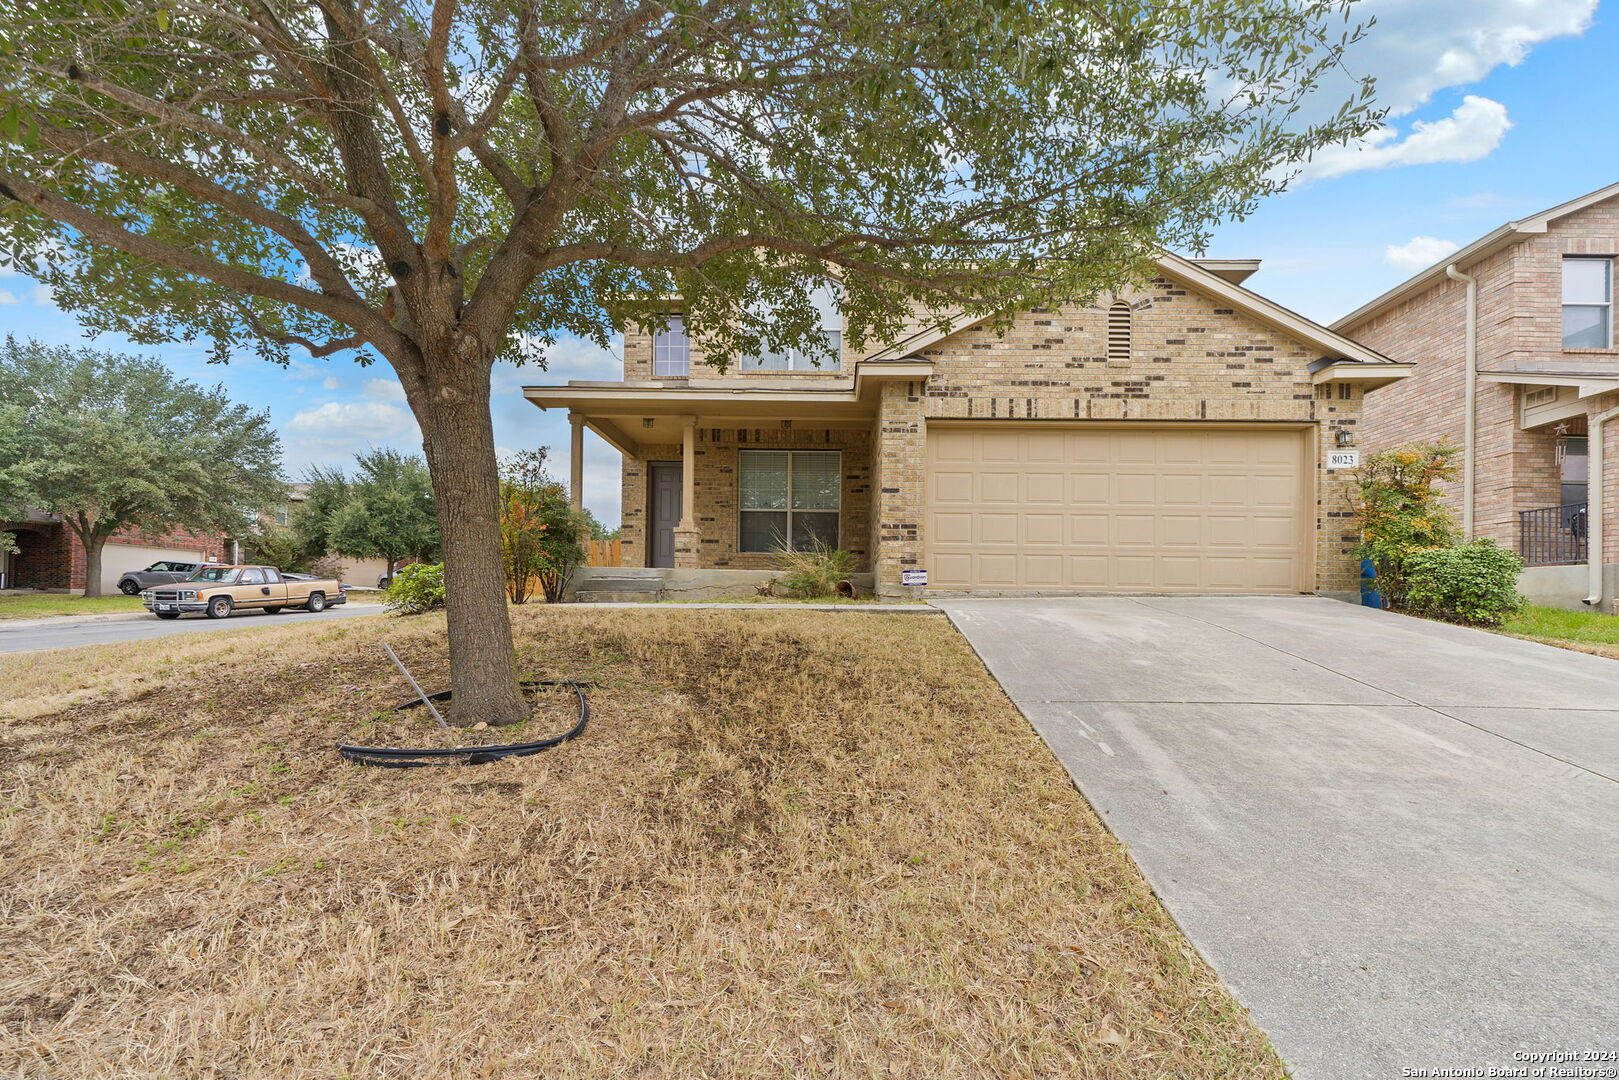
(664, 486)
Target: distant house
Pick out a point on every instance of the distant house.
(1185, 436)
(1519, 326)
(51, 558)
(350, 571)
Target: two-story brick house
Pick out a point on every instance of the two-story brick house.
(1515, 330)
(1172, 439)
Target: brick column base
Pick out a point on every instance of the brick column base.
(686, 554)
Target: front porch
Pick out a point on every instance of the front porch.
(718, 476)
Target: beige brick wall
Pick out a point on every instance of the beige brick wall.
(718, 512)
(1192, 357)
(898, 482)
(1520, 329)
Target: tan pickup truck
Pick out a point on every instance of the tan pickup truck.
(219, 590)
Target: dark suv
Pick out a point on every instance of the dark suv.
(163, 572)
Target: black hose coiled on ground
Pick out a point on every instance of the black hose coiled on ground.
(390, 757)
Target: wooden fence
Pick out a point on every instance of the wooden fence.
(604, 553)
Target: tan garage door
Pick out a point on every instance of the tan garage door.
(1117, 509)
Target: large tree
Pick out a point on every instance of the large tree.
(107, 441)
(441, 185)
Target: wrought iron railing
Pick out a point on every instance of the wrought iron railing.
(1552, 534)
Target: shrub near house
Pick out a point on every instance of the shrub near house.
(1409, 535)
(1470, 583)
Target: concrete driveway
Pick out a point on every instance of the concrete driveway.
(1397, 841)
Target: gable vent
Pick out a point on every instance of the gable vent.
(1118, 332)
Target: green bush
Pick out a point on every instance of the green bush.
(1399, 510)
(814, 574)
(415, 589)
(1473, 583)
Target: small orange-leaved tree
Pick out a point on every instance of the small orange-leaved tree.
(541, 535)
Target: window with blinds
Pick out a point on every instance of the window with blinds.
(789, 499)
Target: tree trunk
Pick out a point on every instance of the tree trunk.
(459, 439)
(92, 563)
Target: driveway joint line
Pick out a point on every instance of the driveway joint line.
(1436, 710)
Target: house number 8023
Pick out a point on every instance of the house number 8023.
(1343, 459)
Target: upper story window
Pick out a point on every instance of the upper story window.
(825, 298)
(671, 351)
(800, 359)
(1587, 303)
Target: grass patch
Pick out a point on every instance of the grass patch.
(1586, 631)
(43, 604)
(790, 844)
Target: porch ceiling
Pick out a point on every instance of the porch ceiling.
(630, 415)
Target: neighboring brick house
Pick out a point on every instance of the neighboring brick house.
(1171, 439)
(51, 558)
(1545, 369)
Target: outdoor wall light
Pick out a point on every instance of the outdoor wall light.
(1344, 437)
(646, 421)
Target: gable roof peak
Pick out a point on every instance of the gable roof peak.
(1491, 242)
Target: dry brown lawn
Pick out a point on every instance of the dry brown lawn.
(791, 844)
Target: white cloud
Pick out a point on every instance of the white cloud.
(362, 419)
(1417, 49)
(1418, 253)
(7, 296)
(569, 358)
(1470, 133)
(383, 390)
(43, 295)
(331, 382)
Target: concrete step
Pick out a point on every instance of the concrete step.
(619, 589)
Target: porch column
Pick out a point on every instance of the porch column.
(687, 538)
(576, 461)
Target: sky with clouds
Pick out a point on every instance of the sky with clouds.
(1498, 109)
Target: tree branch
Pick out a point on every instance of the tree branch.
(114, 235)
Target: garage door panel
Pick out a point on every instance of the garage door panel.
(1082, 449)
(998, 529)
(1043, 530)
(1135, 530)
(1088, 530)
(1274, 491)
(1135, 571)
(1151, 509)
(997, 487)
(1043, 487)
(1134, 489)
(1088, 572)
(953, 528)
(1180, 571)
(1042, 571)
(1180, 531)
(998, 569)
(1090, 489)
(999, 446)
(1180, 489)
(951, 570)
(1272, 532)
(953, 487)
